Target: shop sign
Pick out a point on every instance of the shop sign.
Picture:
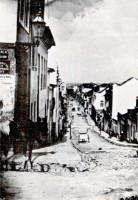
(4, 54)
(4, 67)
(7, 91)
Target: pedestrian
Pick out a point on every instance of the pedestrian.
(29, 144)
(60, 135)
(121, 136)
(100, 127)
(4, 149)
(60, 128)
(13, 134)
(110, 133)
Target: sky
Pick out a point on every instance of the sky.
(96, 40)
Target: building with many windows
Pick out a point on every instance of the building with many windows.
(24, 55)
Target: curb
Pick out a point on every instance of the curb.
(116, 143)
(113, 142)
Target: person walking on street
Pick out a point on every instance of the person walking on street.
(60, 128)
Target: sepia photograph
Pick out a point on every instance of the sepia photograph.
(68, 100)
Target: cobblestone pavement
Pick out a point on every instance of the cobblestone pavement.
(101, 153)
(97, 170)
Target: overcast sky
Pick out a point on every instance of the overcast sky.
(96, 40)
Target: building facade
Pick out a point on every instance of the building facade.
(24, 58)
(8, 31)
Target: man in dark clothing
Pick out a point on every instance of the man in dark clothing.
(4, 149)
(14, 134)
(60, 135)
(30, 138)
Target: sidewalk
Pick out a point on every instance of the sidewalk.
(59, 155)
(104, 135)
(60, 152)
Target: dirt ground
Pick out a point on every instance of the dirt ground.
(69, 170)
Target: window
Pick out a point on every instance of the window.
(41, 72)
(44, 75)
(45, 66)
(33, 55)
(38, 63)
(101, 104)
(24, 12)
(34, 111)
(38, 71)
(22, 3)
(26, 17)
(31, 110)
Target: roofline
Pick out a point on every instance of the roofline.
(52, 85)
(50, 34)
(104, 89)
(120, 84)
(50, 70)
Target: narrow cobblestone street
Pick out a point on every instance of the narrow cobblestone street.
(68, 100)
(71, 170)
(107, 155)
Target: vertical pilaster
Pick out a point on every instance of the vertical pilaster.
(21, 115)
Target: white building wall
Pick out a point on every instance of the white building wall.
(8, 21)
(7, 91)
(97, 102)
(42, 51)
(63, 89)
(33, 85)
(85, 90)
(124, 97)
(75, 88)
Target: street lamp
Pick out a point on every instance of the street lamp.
(38, 27)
